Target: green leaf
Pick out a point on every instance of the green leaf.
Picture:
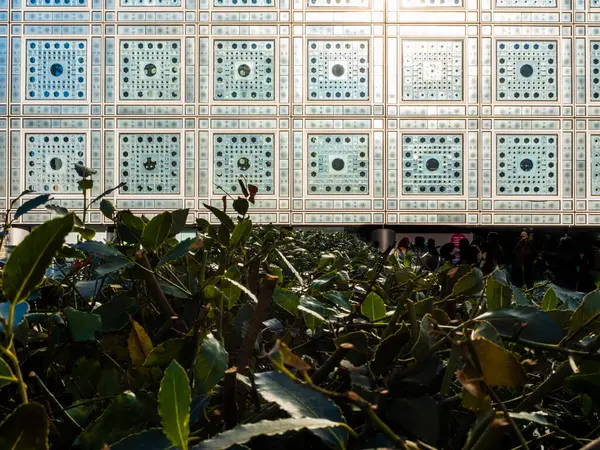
(324, 280)
(550, 300)
(529, 323)
(6, 375)
(243, 433)
(222, 216)
(31, 204)
(300, 401)
(82, 325)
(174, 398)
(115, 313)
(485, 330)
(179, 220)
(134, 224)
(87, 233)
(312, 310)
(112, 266)
(500, 367)
(152, 439)
(373, 307)
(26, 428)
(157, 230)
(419, 415)
(209, 365)
(109, 191)
(389, 349)
(286, 299)
(230, 290)
(107, 209)
(291, 267)
(423, 341)
(124, 416)
(84, 171)
(165, 352)
(242, 287)
(85, 185)
(179, 251)
(470, 284)
(586, 311)
(520, 298)
(100, 249)
(338, 298)
(28, 261)
(240, 233)
(19, 311)
(498, 294)
(241, 206)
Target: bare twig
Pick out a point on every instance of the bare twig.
(321, 374)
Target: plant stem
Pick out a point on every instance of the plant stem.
(54, 400)
(331, 363)
(398, 312)
(17, 368)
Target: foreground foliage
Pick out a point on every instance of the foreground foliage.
(259, 337)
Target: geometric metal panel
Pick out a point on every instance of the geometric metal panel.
(251, 156)
(150, 70)
(56, 69)
(432, 164)
(595, 165)
(526, 164)
(340, 3)
(432, 70)
(244, 70)
(50, 160)
(150, 163)
(55, 3)
(243, 3)
(595, 70)
(526, 70)
(338, 164)
(526, 3)
(431, 3)
(338, 70)
(154, 3)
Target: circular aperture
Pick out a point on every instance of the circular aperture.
(149, 164)
(57, 69)
(338, 164)
(243, 163)
(526, 165)
(526, 70)
(338, 70)
(56, 163)
(150, 70)
(244, 70)
(432, 164)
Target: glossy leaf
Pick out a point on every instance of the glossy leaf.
(177, 252)
(180, 217)
(324, 280)
(157, 230)
(497, 293)
(134, 227)
(138, 344)
(390, 349)
(152, 439)
(210, 364)
(241, 287)
(529, 323)
(338, 298)
(587, 311)
(31, 204)
(500, 367)
(86, 233)
(27, 264)
(550, 300)
(291, 267)
(469, 284)
(20, 310)
(240, 233)
(241, 206)
(107, 209)
(88, 289)
(83, 326)
(84, 171)
(164, 353)
(373, 307)
(312, 310)
(520, 298)
(124, 416)
(111, 266)
(230, 290)
(301, 401)
(243, 433)
(26, 428)
(99, 249)
(174, 398)
(109, 191)
(286, 299)
(115, 313)
(6, 375)
(85, 185)
(222, 216)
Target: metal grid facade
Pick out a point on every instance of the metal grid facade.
(450, 112)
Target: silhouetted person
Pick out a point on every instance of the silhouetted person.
(402, 248)
(446, 252)
(523, 264)
(432, 258)
(419, 248)
(463, 249)
(567, 259)
(494, 255)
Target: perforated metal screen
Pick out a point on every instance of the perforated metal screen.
(454, 112)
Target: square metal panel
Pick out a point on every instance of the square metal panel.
(338, 70)
(526, 164)
(56, 69)
(432, 70)
(244, 70)
(338, 164)
(150, 163)
(526, 70)
(251, 156)
(525, 3)
(50, 161)
(432, 3)
(595, 165)
(595, 71)
(339, 3)
(432, 164)
(150, 70)
(56, 3)
(151, 3)
(243, 3)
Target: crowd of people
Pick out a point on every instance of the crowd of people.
(570, 263)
